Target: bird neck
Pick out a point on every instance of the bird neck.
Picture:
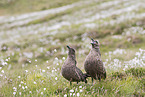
(72, 57)
(96, 50)
(71, 60)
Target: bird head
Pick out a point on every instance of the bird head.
(95, 43)
(71, 51)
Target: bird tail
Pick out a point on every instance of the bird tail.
(105, 75)
(85, 76)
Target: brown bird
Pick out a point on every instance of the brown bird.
(70, 71)
(93, 64)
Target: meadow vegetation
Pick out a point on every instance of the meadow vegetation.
(33, 46)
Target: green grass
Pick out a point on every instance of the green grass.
(25, 6)
(37, 81)
(30, 65)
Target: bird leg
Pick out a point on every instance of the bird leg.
(99, 78)
(86, 75)
(70, 83)
(86, 81)
(92, 81)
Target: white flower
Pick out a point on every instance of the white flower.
(74, 94)
(0, 67)
(6, 59)
(30, 92)
(3, 71)
(14, 93)
(4, 63)
(41, 93)
(14, 88)
(55, 50)
(22, 82)
(65, 95)
(26, 87)
(63, 58)
(55, 78)
(19, 85)
(19, 93)
(56, 58)
(60, 61)
(43, 70)
(19, 76)
(36, 65)
(81, 90)
(52, 71)
(48, 67)
(46, 61)
(35, 60)
(71, 90)
(78, 94)
(126, 66)
(44, 89)
(26, 71)
(35, 82)
(23, 87)
(80, 86)
(70, 94)
(57, 63)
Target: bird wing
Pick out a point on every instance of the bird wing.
(79, 73)
(94, 65)
(100, 68)
(90, 68)
(99, 65)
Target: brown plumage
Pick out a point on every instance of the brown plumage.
(70, 71)
(93, 64)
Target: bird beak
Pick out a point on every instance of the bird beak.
(92, 43)
(68, 47)
(92, 39)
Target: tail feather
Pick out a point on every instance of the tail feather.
(85, 76)
(85, 81)
(105, 75)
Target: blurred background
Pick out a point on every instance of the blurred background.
(34, 35)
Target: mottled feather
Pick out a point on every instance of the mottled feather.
(93, 64)
(70, 71)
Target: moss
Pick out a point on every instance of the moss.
(128, 83)
(120, 75)
(49, 17)
(138, 72)
(4, 47)
(22, 6)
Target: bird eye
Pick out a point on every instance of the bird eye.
(73, 50)
(97, 42)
